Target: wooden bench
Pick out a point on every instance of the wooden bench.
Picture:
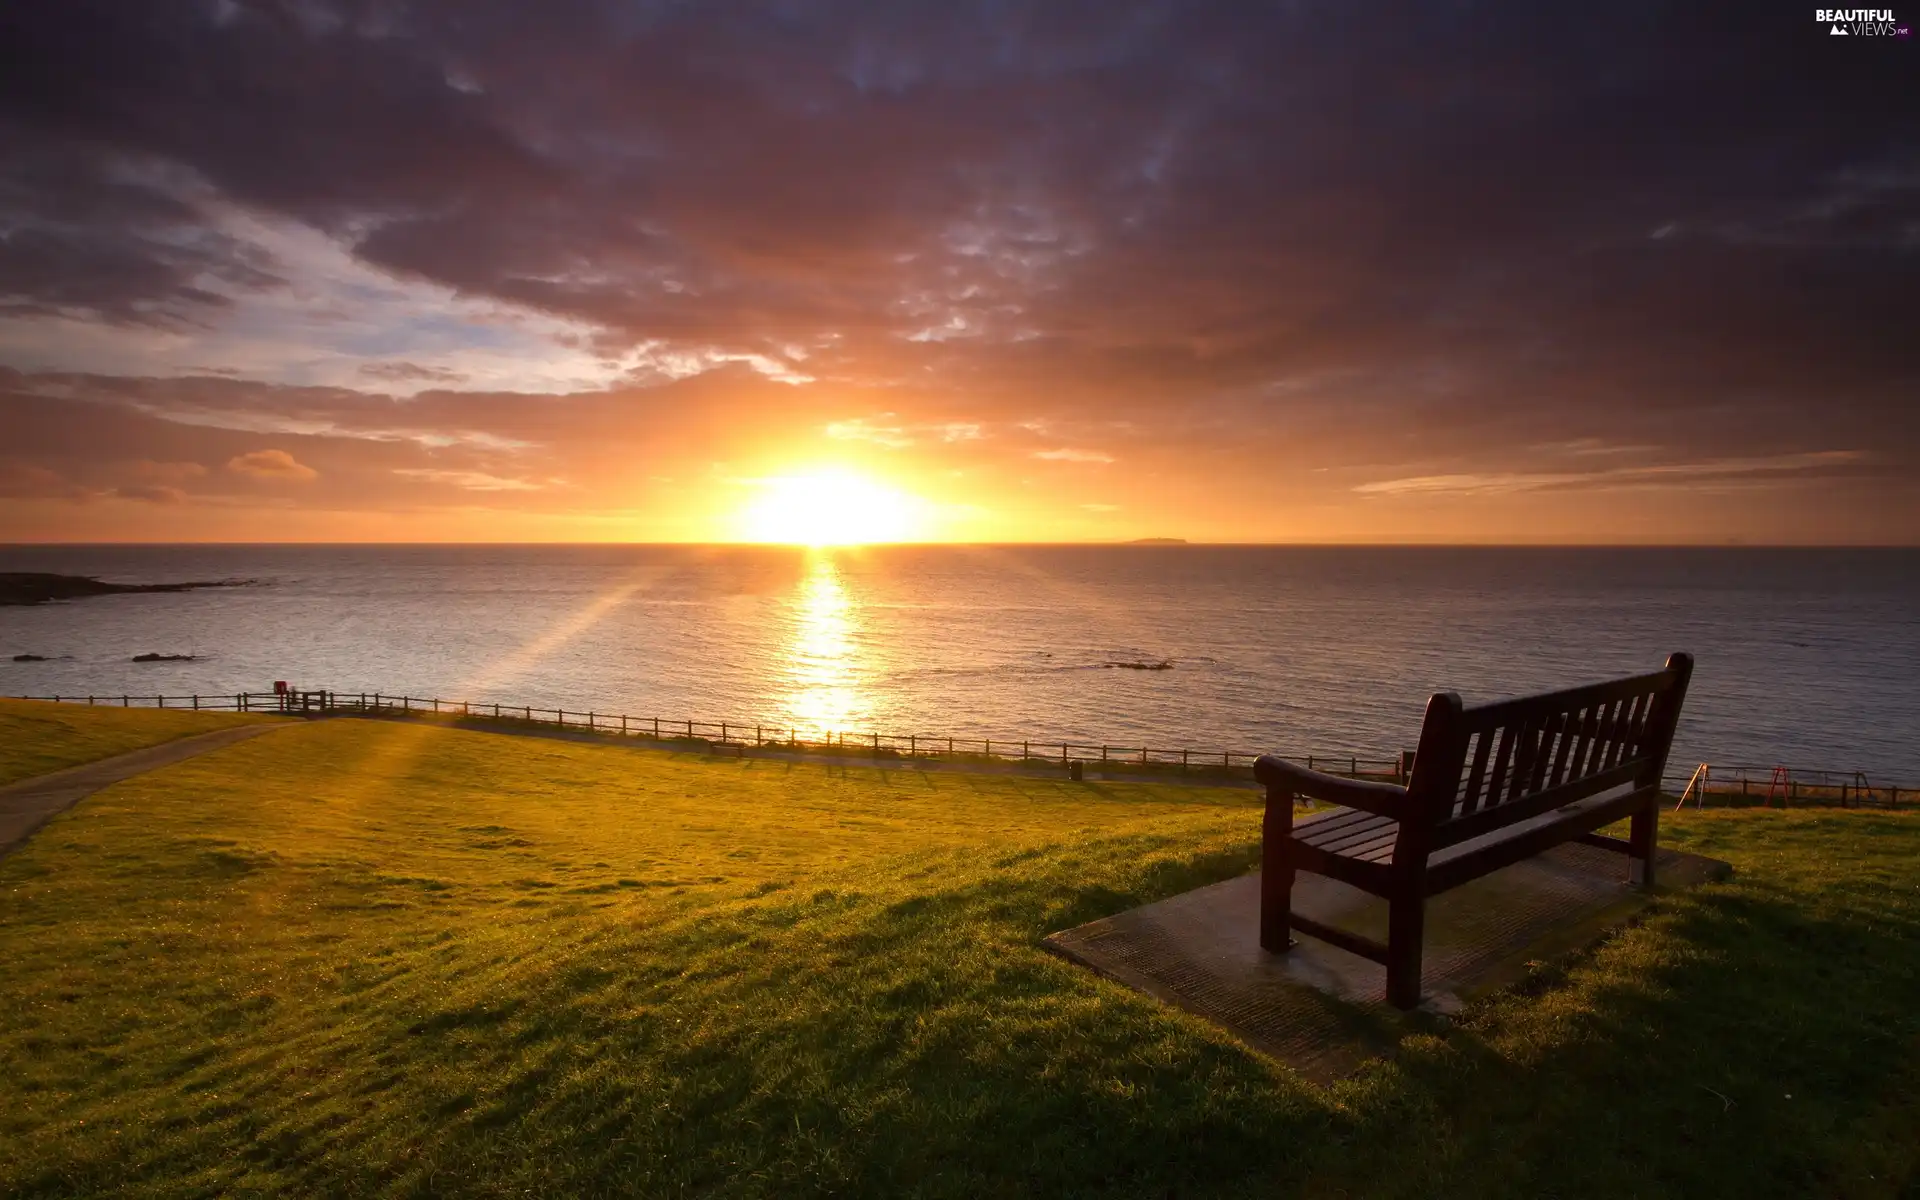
(1490, 786)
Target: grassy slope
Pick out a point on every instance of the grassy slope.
(38, 736)
(387, 958)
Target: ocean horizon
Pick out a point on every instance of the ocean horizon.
(1807, 655)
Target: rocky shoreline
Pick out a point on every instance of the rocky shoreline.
(37, 587)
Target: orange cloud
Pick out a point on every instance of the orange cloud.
(151, 493)
(272, 464)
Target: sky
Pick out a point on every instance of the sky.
(1064, 270)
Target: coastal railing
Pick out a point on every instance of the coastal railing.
(1718, 784)
(743, 734)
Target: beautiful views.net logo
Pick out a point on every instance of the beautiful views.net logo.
(1861, 22)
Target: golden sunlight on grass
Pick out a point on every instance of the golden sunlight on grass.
(832, 508)
(355, 958)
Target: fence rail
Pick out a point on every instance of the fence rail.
(1750, 783)
(1717, 784)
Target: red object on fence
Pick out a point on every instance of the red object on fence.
(279, 687)
(1780, 782)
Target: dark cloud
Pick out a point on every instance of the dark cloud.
(83, 232)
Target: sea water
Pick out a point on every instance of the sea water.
(1805, 657)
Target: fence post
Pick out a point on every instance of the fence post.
(949, 747)
(723, 731)
(1309, 762)
(1143, 756)
(988, 752)
(196, 703)
(124, 703)
(1063, 754)
(1103, 754)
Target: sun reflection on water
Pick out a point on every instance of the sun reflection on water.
(823, 660)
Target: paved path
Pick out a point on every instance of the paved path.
(28, 804)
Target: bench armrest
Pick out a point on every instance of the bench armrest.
(1381, 799)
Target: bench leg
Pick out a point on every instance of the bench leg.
(1406, 925)
(1643, 837)
(1276, 875)
(1276, 910)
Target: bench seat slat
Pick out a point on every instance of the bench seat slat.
(1379, 850)
(1322, 825)
(1348, 834)
(1364, 845)
(1371, 877)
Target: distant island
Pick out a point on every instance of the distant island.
(1158, 542)
(36, 587)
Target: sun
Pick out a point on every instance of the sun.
(831, 508)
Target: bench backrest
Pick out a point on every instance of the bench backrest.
(1484, 768)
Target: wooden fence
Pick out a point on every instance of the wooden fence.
(743, 734)
(1713, 784)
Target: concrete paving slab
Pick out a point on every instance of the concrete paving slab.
(1321, 1009)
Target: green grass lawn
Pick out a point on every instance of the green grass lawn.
(38, 736)
(364, 958)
